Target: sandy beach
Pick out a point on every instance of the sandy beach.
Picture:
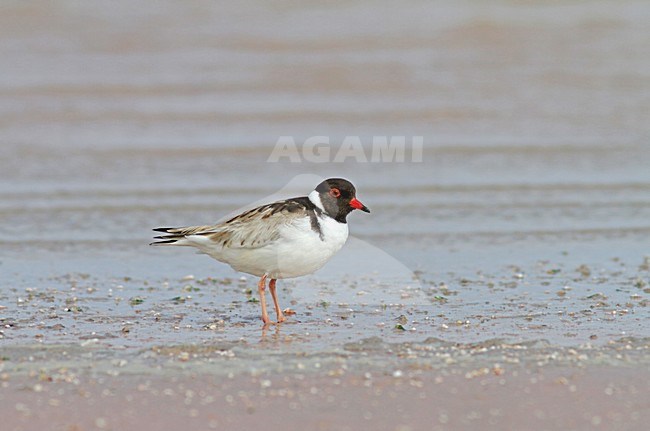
(500, 282)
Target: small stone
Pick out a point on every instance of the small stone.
(584, 270)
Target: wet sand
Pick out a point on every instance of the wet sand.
(501, 283)
(559, 398)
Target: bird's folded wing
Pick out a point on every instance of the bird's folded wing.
(252, 229)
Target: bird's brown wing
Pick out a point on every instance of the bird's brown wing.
(251, 229)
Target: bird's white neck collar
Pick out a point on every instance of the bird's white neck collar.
(314, 197)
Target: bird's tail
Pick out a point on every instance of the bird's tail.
(178, 235)
(174, 235)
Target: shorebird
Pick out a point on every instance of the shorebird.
(284, 239)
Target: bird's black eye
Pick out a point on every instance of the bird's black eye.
(334, 192)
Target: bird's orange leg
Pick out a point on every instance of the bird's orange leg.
(261, 286)
(278, 311)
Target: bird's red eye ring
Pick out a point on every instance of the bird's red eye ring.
(335, 192)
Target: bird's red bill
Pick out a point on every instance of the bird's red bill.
(356, 204)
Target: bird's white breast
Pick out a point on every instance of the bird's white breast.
(300, 250)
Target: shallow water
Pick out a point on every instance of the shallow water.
(526, 220)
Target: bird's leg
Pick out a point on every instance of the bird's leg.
(261, 286)
(278, 311)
